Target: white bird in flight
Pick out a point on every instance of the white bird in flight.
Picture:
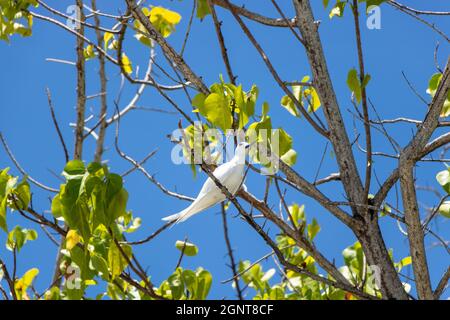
(230, 175)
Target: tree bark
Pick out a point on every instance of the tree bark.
(371, 238)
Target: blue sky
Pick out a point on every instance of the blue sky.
(402, 44)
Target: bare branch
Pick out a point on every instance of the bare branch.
(19, 167)
(55, 122)
(365, 108)
(255, 16)
(103, 98)
(415, 15)
(419, 12)
(443, 284)
(230, 253)
(223, 49)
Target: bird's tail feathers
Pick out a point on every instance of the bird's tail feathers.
(197, 206)
(180, 216)
(171, 217)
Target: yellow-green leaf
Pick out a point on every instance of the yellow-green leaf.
(190, 249)
(117, 262)
(164, 20)
(89, 52)
(126, 63)
(313, 99)
(106, 39)
(72, 239)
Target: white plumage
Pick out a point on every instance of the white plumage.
(230, 175)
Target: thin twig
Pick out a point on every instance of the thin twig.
(19, 167)
(55, 122)
(230, 252)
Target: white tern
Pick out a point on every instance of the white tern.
(230, 175)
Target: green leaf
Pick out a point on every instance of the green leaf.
(290, 157)
(190, 282)
(434, 83)
(443, 178)
(276, 293)
(80, 258)
(99, 206)
(432, 88)
(114, 183)
(54, 293)
(116, 261)
(265, 109)
(366, 81)
(202, 9)
(338, 9)
(370, 3)
(216, 110)
(240, 106)
(252, 96)
(18, 237)
(94, 167)
(68, 198)
(4, 178)
(284, 141)
(313, 229)
(204, 279)
(354, 259)
(444, 209)
(22, 195)
(245, 103)
(74, 168)
(289, 105)
(100, 265)
(3, 224)
(117, 206)
(190, 249)
(297, 213)
(56, 207)
(5, 189)
(313, 99)
(354, 84)
(199, 100)
(83, 219)
(176, 284)
(136, 223)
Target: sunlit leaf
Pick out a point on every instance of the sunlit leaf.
(126, 63)
(117, 262)
(338, 9)
(444, 209)
(354, 84)
(164, 20)
(72, 239)
(190, 249)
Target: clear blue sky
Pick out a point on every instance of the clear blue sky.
(402, 44)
